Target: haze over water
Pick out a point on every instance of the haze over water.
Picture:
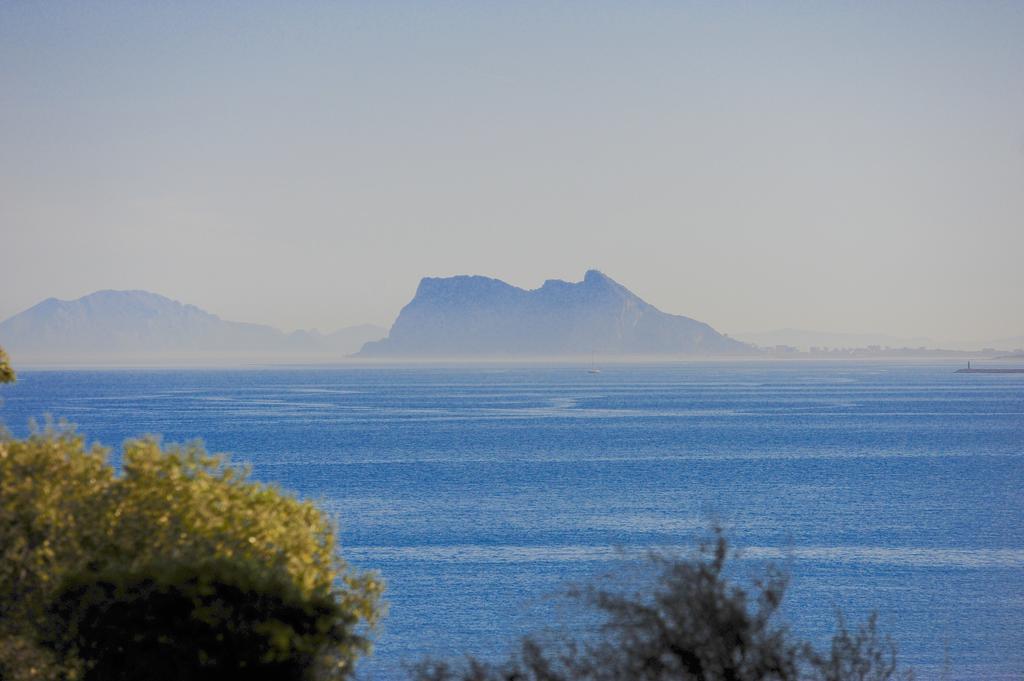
(478, 491)
(835, 166)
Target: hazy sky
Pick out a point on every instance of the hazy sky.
(843, 167)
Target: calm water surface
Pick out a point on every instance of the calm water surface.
(478, 491)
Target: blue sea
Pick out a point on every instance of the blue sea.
(479, 492)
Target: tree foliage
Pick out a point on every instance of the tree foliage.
(864, 654)
(52, 490)
(689, 624)
(203, 624)
(90, 557)
(6, 372)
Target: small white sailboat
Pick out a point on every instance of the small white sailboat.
(593, 366)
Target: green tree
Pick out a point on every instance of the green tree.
(252, 575)
(52, 490)
(201, 624)
(6, 372)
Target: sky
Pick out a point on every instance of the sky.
(844, 167)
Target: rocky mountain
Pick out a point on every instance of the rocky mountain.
(472, 315)
(115, 325)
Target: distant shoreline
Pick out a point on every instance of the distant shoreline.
(990, 371)
(264, 363)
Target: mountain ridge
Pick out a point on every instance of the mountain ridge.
(134, 323)
(477, 316)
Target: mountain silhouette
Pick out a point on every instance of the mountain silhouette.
(112, 325)
(473, 315)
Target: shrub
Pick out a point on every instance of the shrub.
(184, 623)
(689, 624)
(180, 551)
(6, 372)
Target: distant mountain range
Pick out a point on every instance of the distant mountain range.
(1013, 342)
(138, 325)
(804, 339)
(479, 316)
(463, 316)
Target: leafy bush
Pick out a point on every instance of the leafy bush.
(199, 624)
(6, 372)
(53, 517)
(91, 559)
